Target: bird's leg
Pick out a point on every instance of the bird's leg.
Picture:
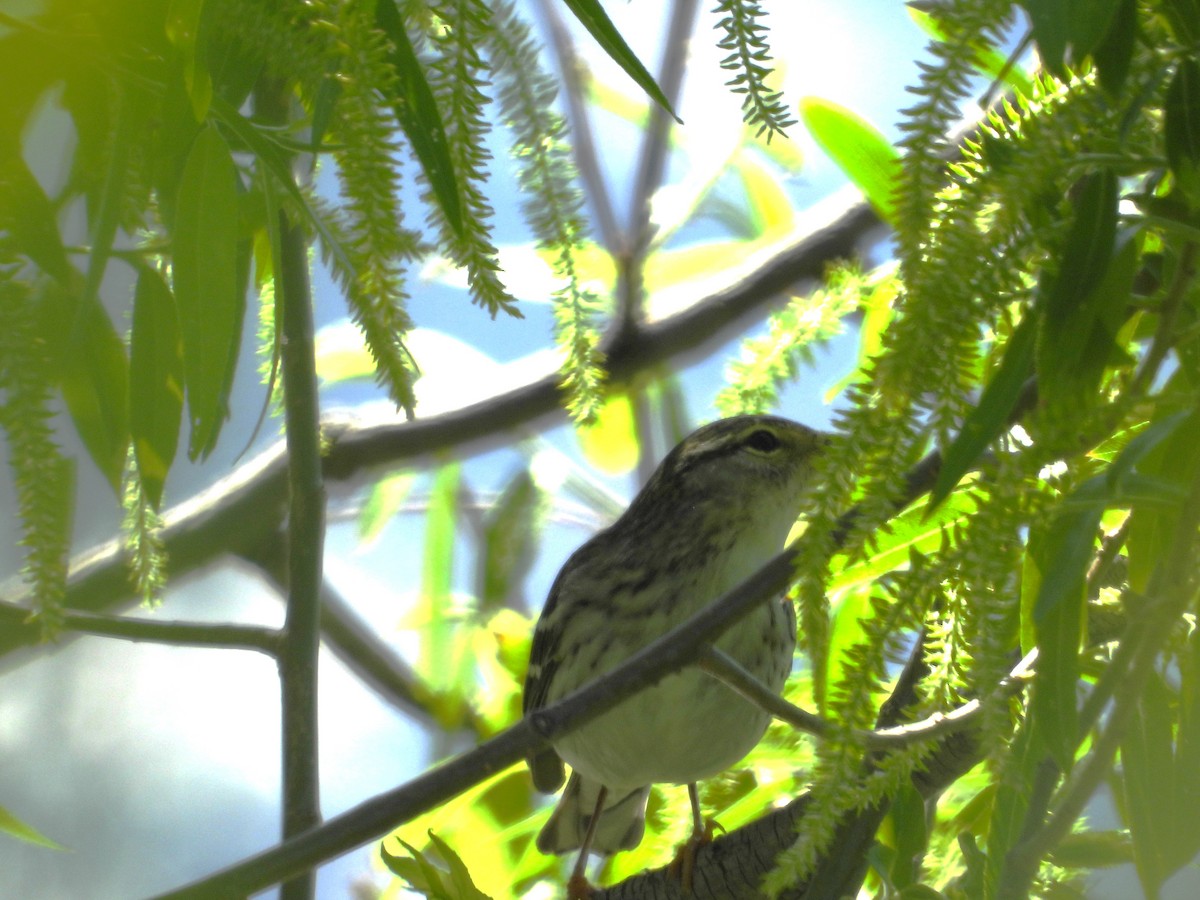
(702, 833)
(578, 887)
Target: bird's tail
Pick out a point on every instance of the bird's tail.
(622, 820)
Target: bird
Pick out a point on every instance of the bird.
(715, 510)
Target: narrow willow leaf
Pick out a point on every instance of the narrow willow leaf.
(1089, 245)
(155, 382)
(988, 420)
(989, 61)
(1062, 558)
(1020, 762)
(1181, 128)
(911, 836)
(1147, 777)
(510, 535)
(183, 30)
(269, 154)
(386, 498)
(1059, 24)
(206, 278)
(437, 662)
(418, 114)
(1184, 840)
(26, 212)
(593, 17)
(95, 385)
(859, 149)
(1115, 52)
(14, 827)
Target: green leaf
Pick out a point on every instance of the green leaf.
(28, 215)
(1059, 24)
(1147, 776)
(205, 267)
(1021, 761)
(910, 834)
(1093, 850)
(461, 885)
(989, 61)
(989, 419)
(418, 114)
(510, 532)
(386, 497)
(1184, 839)
(94, 382)
(859, 149)
(1181, 127)
(593, 17)
(183, 30)
(14, 827)
(1089, 245)
(443, 647)
(1061, 557)
(155, 382)
(1115, 52)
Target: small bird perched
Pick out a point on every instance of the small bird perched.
(717, 508)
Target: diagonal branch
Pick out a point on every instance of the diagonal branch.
(670, 653)
(243, 513)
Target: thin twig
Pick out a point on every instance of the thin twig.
(133, 628)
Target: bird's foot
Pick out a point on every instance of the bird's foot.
(684, 864)
(578, 888)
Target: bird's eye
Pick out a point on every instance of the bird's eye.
(763, 441)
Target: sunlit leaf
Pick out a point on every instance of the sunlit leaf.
(610, 443)
(155, 382)
(384, 500)
(206, 284)
(860, 150)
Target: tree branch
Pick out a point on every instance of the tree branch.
(244, 512)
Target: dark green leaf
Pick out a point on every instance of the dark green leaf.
(205, 267)
(155, 382)
(1061, 556)
(859, 149)
(1089, 245)
(94, 381)
(1115, 51)
(1059, 24)
(418, 114)
(593, 17)
(1147, 775)
(1181, 127)
(909, 834)
(989, 419)
(1021, 763)
(1184, 17)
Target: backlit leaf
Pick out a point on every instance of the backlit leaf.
(206, 284)
(859, 149)
(155, 382)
